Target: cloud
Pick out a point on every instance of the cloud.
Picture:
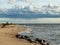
(12, 1)
(31, 12)
(16, 1)
(53, 10)
(24, 0)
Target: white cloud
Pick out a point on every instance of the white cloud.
(12, 1)
(51, 9)
(25, 0)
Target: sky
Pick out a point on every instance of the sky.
(38, 20)
(37, 3)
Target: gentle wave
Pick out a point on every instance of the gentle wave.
(50, 33)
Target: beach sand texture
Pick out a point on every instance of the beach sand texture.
(7, 36)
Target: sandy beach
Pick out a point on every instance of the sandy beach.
(7, 35)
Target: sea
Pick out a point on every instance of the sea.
(49, 32)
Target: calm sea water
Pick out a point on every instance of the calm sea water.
(50, 32)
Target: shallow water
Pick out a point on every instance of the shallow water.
(48, 32)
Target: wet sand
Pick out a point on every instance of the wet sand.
(7, 35)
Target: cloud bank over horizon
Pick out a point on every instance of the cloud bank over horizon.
(30, 11)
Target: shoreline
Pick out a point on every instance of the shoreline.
(7, 35)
